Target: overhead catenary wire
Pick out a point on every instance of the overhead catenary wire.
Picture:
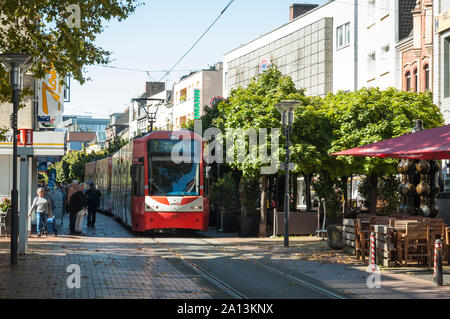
(204, 33)
(142, 70)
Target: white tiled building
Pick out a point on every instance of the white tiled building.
(341, 45)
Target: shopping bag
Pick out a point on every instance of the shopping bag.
(51, 225)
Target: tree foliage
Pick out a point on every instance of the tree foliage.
(372, 115)
(253, 107)
(72, 165)
(40, 28)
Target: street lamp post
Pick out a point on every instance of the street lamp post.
(16, 65)
(287, 108)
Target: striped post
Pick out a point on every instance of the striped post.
(372, 251)
(437, 273)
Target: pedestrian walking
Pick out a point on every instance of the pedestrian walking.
(81, 213)
(76, 204)
(50, 222)
(72, 189)
(93, 196)
(43, 210)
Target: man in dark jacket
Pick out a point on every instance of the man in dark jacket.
(77, 202)
(93, 202)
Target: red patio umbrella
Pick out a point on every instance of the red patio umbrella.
(431, 144)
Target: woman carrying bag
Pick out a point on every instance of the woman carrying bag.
(43, 210)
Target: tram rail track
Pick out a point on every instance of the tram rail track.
(205, 274)
(231, 291)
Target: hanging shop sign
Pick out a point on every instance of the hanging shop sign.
(196, 104)
(25, 137)
(215, 101)
(50, 99)
(264, 65)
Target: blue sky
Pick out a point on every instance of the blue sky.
(158, 34)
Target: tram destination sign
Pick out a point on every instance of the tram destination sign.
(165, 147)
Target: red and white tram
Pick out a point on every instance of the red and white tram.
(149, 189)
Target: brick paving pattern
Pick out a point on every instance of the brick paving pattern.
(113, 264)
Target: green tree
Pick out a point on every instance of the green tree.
(40, 28)
(253, 107)
(225, 186)
(72, 164)
(311, 141)
(372, 115)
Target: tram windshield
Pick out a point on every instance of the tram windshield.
(167, 178)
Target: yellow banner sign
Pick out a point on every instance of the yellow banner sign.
(51, 99)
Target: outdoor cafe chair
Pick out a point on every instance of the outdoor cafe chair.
(362, 236)
(416, 243)
(379, 220)
(400, 216)
(437, 228)
(436, 231)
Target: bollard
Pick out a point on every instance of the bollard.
(372, 251)
(437, 273)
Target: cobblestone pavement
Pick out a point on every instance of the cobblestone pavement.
(113, 264)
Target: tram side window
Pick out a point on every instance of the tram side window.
(138, 180)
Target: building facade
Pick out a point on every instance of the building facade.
(139, 117)
(441, 66)
(416, 50)
(441, 55)
(76, 123)
(161, 110)
(341, 45)
(118, 126)
(76, 141)
(193, 92)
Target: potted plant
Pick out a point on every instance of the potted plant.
(249, 220)
(5, 207)
(224, 196)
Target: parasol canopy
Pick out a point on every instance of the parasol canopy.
(431, 144)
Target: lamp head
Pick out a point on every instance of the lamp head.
(16, 64)
(14, 60)
(287, 108)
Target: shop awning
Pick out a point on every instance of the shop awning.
(431, 144)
